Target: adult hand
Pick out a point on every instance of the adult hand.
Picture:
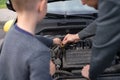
(85, 71)
(70, 38)
(92, 3)
(52, 68)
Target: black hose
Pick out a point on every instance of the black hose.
(64, 72)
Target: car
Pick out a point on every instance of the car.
(59, 10)
(61, 19)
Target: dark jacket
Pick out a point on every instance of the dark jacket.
(88, 31)
(106, 43)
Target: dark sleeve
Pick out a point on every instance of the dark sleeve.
(39, 66)
(48, 42)
(107, 39)
(88, 31)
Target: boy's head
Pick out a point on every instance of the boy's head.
(30, 6)
(92, 3)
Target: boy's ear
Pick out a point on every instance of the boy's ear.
(41, 5)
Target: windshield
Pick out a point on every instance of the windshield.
(69, 7)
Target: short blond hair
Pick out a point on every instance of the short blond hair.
(28, 5)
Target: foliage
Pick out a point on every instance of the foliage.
(2, 4)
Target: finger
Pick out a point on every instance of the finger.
(64, 42)
(66, 37)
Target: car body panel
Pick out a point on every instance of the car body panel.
(70, 7)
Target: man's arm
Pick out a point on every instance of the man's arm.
(48, 42)
(88, 31)
(107, 38)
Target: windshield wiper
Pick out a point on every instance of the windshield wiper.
(86, 16)
(54, 16)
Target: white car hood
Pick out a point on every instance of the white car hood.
(69, 8)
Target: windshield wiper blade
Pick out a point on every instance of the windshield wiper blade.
(54, 16)
(90, 16)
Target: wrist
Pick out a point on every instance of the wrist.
(77, 38)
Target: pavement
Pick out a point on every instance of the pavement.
(5, 15)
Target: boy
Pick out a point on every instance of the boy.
(25, 56)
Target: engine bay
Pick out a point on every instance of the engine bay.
(69, 59)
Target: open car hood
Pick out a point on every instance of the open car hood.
(64, 7)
